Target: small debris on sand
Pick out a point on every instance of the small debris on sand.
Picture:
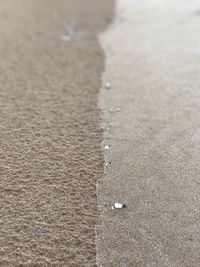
(106, 147)
(118, 206)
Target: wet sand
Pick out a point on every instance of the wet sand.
(50, 157)
(153, 55)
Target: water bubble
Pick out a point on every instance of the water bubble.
(108, 85)
(68, 33)
(111, 110)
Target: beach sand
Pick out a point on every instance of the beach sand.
(49, 130)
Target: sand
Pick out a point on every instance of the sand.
(49, 124)
(153, 55)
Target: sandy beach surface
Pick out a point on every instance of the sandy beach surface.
(153, 64)
(50, 157)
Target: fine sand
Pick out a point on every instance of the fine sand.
(153, 64)
(50, 156)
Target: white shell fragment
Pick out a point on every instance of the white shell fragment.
(108, 85)
(111, 110)
(106, 147)
(118, 206)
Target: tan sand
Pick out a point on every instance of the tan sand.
(153, 55)
(49, 134)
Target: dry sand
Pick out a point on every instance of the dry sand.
(49, 135)
(153, 63)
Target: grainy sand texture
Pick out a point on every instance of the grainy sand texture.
(153, 65)
(50, 157)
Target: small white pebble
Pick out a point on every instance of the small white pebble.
(118, 109)
(107, 147)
